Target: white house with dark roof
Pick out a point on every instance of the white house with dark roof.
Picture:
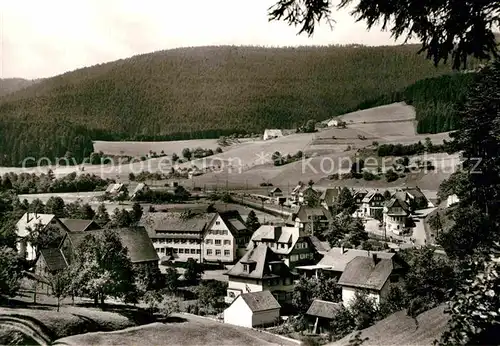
(30, 221)
(271, 134)
(310, 219)
(366, 275)
(372, 204)
(396, 212)
(260, 269)
(256, 309)
(291, 244)
(226, 237)
(335, 261)
(321, 314)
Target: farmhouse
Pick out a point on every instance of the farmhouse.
(260, 269)
(271, 134)
(115, 189)
(333, 122)
(321, 314)
(309, 219)
(136, 240)
(276, 192)
(368, 275)
(301, 193)
(291, 244)
(139, 189)
(396, 213)
(415, 197)
(373, 205)
(257, 309)
(32, 221)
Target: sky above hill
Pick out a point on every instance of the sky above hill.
(43, 38)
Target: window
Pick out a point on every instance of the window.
(227, 253)
(193, 251)
(217, 252)
(227, 242)
(198, 251)
(181, 250)
(283, 246)
(186, 250)
(209, 252)
(217, 222)
(158, 250)
(176, 241)
(209, 241)
(245, 267)
(175, 251)
(217, 242)
(231, 294)
(184, 241)
(162, 250)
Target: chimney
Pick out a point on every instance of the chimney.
(375, 258)
(342, 250)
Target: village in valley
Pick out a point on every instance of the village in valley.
(294, 190)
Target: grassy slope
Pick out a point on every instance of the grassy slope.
(199, 92)
(194, 331)
(400, 329)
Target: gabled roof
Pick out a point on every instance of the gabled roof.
(278, 235)
(53, 259)
(259, 263)
(233, 221)
(360, 192)
(395, 202)
(175, 222)
(140, 187)
(370, 196)
(76, 225)
(329, 195)
(31, 220)
(321, 247)
(276, 189)
(337, 258)
(415, 192)
(324, 309)
(260, 301)
(136, 240)
(114, 188)
(306, 213)
(365, 272)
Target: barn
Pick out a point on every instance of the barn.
(255, 309)
(270, 134)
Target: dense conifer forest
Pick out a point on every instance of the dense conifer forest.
(207, 92)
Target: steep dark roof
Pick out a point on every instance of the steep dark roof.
(322, 308)
(136, 240)
(53, 259)
(415, 192)
(260, 301)
(233, 221)
(175, 222)
(76, 225)
(259, 263)
(338, 258)
(305, 213)
(329, 195)
(321, 247)
(364, 272)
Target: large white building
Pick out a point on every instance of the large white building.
(257, 309)
(207, 237)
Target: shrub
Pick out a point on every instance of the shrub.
(391, 176)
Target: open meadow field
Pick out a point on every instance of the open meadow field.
(143, 148)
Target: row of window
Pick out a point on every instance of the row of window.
(272, 245)
(210, 252)
(163, 250)
(176, 241)
(302, 256)
(217, 242)
(218, 232)
(280, 282)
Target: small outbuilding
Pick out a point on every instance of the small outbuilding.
(321, 314)
(271, 134)
(255, 309)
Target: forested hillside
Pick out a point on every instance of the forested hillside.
(436, 100)
(8, 85)
(199, 93)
